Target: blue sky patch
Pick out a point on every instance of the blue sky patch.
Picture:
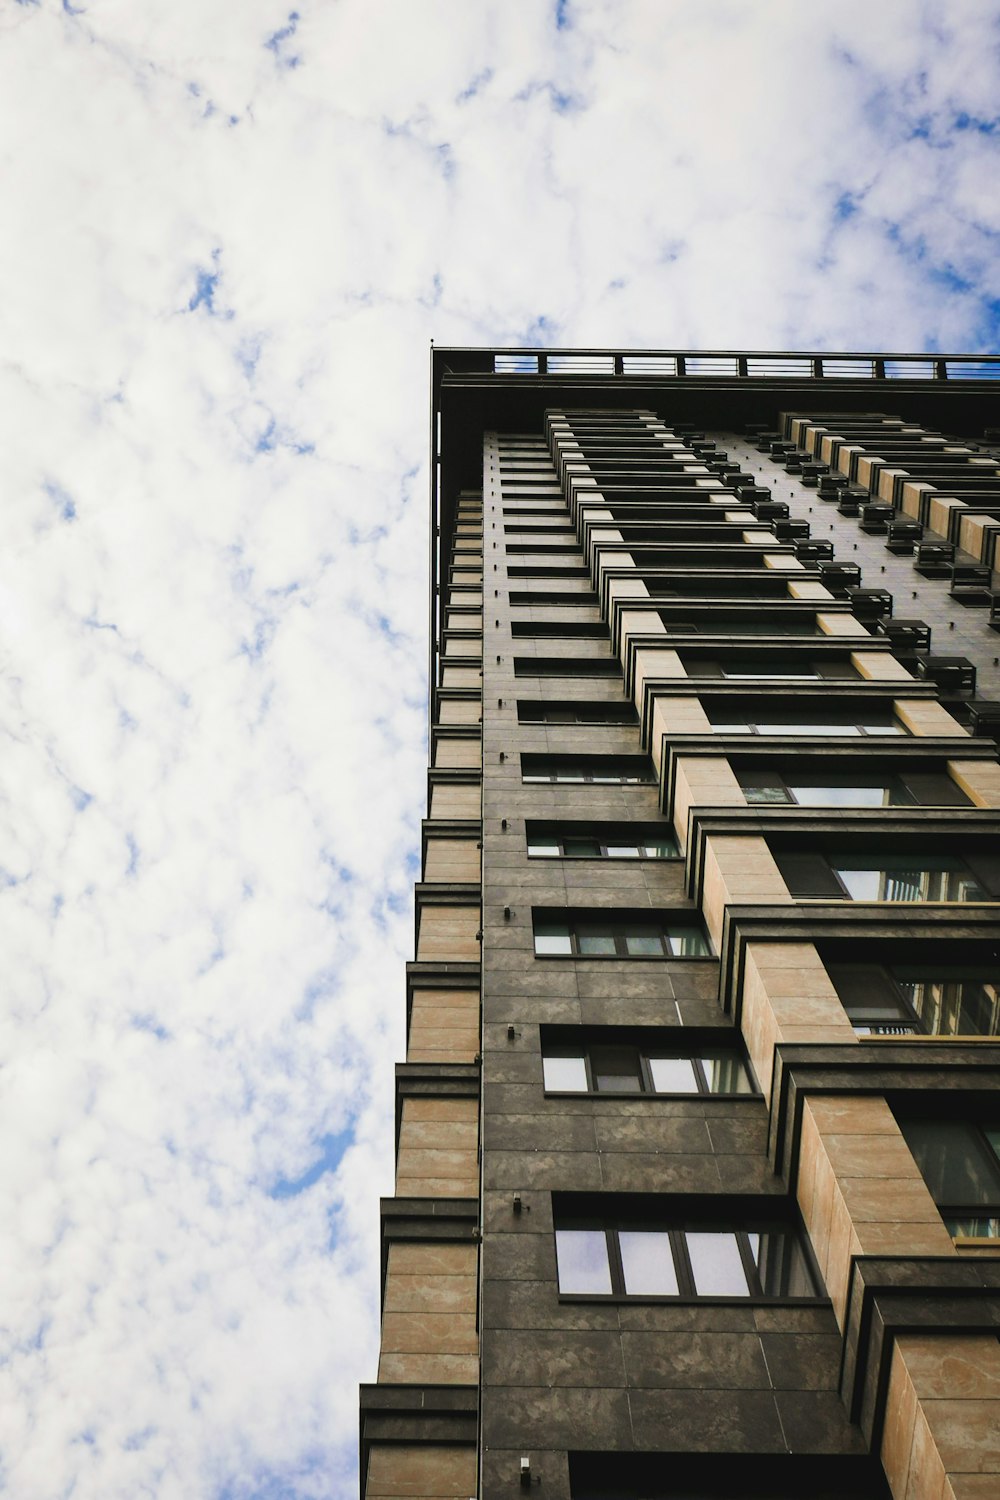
(331, 1150)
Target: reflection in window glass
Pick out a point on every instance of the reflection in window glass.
(565, 1074)
(552, 937)
(647, 1263)
(582, 1259)
(687, 942)
(726, 1075)
(616, 1069)
(547, 848)
(595, 938)
(781, 1265)
(906, 877)
(842, 796)
(641, 941)
(716, 1264)
(673, 1075)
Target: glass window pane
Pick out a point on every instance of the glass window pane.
(716, 1264)
(665, 848)
(687, 942)
(781, 1264)
(644, 942)
(841, 796)
(623, 851)
(544, 846)
(595, 937)
(648, 1263)
(616, 1068)
(553, 937)
(956, 1165)
(766, 794)
(673, 1075)
(565, 1074)
(582, 1259)
(726, 1075)
(581, 848)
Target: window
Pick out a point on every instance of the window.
(652, 1258)
(864, 875)
(769, 668)
(566, 666)
(929, 999)
(619, 935)
(960, 1163)
(627, 1069)
(601, 841)
(611, 770)
(812, 786)
(871, 725)
(529, 712)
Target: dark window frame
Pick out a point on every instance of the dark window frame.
(689, 922)
(676, 1230)
(645, 1056)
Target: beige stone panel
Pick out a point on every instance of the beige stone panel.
(462, 677)
(465, 597)
(841, 625)
(737, 870)
(826, 445)
(900, 1421)
(433, 1332)
(757, 538)
(627, 588)
(654, 663)
(703, 781)
(810, 589)
(469, 546)
(472, 620)
(448, 934)
(880, 666)
(866, 467)
(467, 646)
(674, 716)
(782, 562)
(854, 1163)
(969, 1487)
(420, 1471)
(978, 779)
(788, 996)
(452, 860)
(444, 1026)
(431, 1258)
(460, 711)
(886, 481)
(973, 533)
(427, 1368)
(844, 456)
(459, 755)
(812, 437)
(922, 716)
(910, 500)
(942, 1433)
(463, 800)
(638, 622)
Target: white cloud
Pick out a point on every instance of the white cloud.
(212, 597)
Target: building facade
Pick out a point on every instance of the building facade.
(698, 1134)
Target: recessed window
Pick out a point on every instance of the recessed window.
(629, 1069)
(601, 841)
(769, 667)
(931, 999)
(806, 786)
(566, 666)
(960, 1162)
(608, 770)
(619, 936)
(653, 1259)
(575, 713)
(869, 875)
(827, 728)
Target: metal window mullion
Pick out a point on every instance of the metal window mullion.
(700, 1076)
(682, 1263)
(589, 1069)
(615, 1261)
(750, 1268)
(645, 1074)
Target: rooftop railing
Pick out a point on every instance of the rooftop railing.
(723, 365)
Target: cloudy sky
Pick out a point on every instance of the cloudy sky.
(228, 231)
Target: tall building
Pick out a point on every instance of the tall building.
(698, 1136)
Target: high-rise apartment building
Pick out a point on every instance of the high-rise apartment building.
(698, 1135)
